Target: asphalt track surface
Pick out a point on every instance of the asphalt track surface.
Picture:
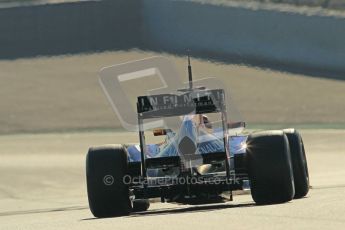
(42, 186)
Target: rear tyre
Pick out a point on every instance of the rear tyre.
(107, 193)
(299, 163)
(269, 167)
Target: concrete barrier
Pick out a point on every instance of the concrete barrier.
(69, 28)
(289, 41)
(282, 40)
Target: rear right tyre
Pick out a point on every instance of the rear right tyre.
(270, 167)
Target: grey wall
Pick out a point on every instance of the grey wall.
(294, 42)
(69, 28)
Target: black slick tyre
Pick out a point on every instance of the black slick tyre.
(106, 168)
(269, 167)
(299, 163)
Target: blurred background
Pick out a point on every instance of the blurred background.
(283, 61)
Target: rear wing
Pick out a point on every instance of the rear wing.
(190, 101)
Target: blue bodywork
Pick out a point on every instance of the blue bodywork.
(206, 142)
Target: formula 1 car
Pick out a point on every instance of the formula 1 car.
(195, 160)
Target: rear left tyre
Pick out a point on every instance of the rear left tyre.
(108, 193)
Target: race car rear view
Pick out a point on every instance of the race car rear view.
(195, 158)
